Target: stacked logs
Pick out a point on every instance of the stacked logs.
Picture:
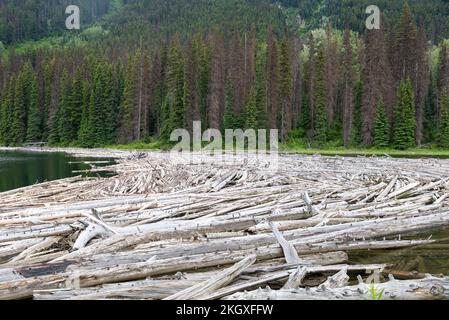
(165, 229)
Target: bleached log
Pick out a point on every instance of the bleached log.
(295, 279)
(220, 280)
(430, 288)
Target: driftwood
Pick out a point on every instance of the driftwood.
(429, 288)
(163, 228)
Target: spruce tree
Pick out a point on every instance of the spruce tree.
(35, 119)
(98, 102)
(76, 105)
(251, 112)
(444, 122)
(319, 99)
(285, 84)
(6, 110)
(381, 128)
(405, 120)
(85, 138)
(175, 81)
(261, 89)
(129, 103)
(357, 130)
(47, 93)
(64, 112)
(19, 119)
(229, 118)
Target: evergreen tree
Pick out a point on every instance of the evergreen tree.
(381, 128)
(251, 112)
(6, 112)
(35, 119)
(348, 89)
(22, 99)
(229, 118)
(128, 112)
(175, 81)
(405, 120)
(444, 122)
(76, 105)
(85, 135)
(98, 104)
(319, 98)
(261, 89)
(64, 111)
(47, 94)
(285, 83)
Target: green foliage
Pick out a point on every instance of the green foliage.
(6, 112)
(174, 110)
(405, 121)
(25, 100)
(85, 134)
(229, 121)
(381, 128)
(251, 112)
(320, 120)
(376, 293)
(444, 121)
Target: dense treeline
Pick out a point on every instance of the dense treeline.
(389, 87)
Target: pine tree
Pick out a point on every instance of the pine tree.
(405, 120)
(35, 119)
(47, 94)
(348, 89)
(129, 103)
(381, 128)
(357, 131)
(76, 105)
(21, 104)
(272, 74)
(319, 98)
(99, 100)
(85, 135)
(261, 89)
(6, 110)
(175, 80)
(285, 90)
(229, 118)
(64, 111)
(251, 112)
(444, 122)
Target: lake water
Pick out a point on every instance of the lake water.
(20, 169)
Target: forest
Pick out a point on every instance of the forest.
(137, 70)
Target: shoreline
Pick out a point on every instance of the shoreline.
(349, 153)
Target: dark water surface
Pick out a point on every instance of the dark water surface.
(21, 169)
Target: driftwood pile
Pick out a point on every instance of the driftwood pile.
(160, 229)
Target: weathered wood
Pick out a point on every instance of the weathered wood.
(220, 280)
(430, 288)
(159, 216)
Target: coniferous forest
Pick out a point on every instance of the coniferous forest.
(139, 69)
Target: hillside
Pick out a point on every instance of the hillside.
(140, 69)
(22, 20)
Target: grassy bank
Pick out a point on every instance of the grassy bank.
(336, 151)
(416, 152)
